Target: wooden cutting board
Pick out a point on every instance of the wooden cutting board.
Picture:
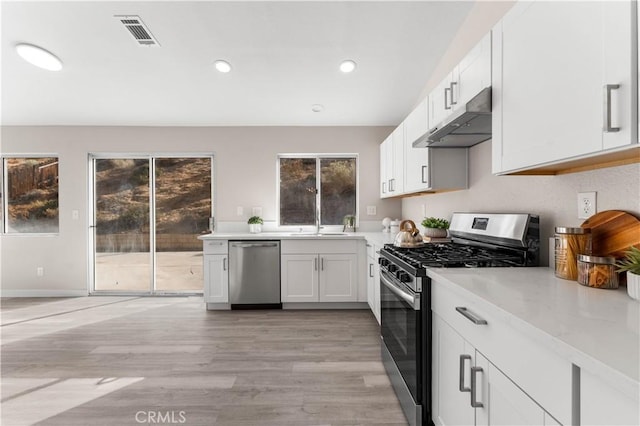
(613, 232)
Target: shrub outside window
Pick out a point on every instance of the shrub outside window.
(310, 181)
(31, 195)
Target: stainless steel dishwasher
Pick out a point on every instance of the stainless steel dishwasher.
(254, 274)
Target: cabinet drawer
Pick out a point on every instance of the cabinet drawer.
(543, 374)
(216, 247)
(319, 246)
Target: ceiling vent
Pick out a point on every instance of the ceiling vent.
(138, 30)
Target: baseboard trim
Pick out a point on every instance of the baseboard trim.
(43, 293)
(325, 305)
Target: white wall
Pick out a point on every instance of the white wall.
(245, 176)
(554, 198)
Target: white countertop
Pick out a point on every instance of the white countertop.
(598, 330)
(378, 238)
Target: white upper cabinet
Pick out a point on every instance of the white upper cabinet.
(385, 157)
(397, 175)
(473, 73)
(392, 164)
(416, 124)
(466, 80)
(564, 85)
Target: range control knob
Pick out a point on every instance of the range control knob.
(382, 261)
(392, 268)
(403, 276)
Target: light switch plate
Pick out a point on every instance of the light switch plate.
(239, 211)
(256, 211)
(371, 210)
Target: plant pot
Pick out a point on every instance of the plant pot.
(435, 232)
(255, 228)
(633, 285)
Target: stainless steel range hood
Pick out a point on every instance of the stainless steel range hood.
(468, 126)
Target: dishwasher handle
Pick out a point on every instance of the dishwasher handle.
(254, 245)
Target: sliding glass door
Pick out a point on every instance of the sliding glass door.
(147, 213)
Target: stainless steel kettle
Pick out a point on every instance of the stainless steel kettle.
(409, 236)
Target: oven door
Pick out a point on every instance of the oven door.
(401, 318)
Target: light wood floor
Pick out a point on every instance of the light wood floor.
(131, 361)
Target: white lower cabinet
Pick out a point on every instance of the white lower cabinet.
(486, 373)
(470, 390)
(216, 278)
(322, 271)
(601, 404)
(373, 280)
(299, 277)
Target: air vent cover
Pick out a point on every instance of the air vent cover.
(138, 30)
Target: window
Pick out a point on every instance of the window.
(30, 204)
(310, 181)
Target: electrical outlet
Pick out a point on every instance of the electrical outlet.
(586, 204)
(256, 211)
(239, 211)
(371, 210)
(75, 214)
(40, 271)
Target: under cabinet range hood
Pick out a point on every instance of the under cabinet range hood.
(466, 127)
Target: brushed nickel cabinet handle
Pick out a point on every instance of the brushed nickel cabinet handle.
(315, 264)
(424, 174)
(607, 108)
(453, 83)
(463, 358)
(446, 89)
(224, 263)
(474, 387)
(468, 315)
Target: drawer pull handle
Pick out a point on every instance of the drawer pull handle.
(468, 315)
(371, 270)
(463, 358)
(474, 387)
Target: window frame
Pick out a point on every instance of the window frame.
(5, 198)
(318, 158)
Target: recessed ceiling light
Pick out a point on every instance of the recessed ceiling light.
(222, 66)
(317, 108)
(347, 66)
(39, 57)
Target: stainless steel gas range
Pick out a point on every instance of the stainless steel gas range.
(477, 240)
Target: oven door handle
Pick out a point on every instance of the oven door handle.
(413, 300)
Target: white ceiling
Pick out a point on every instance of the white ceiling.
(285, 57)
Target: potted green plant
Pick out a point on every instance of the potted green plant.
(631, 265)
(255, 224)
(349, 223)
(435, 227)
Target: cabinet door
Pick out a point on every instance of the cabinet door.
(550, 85)
(473, 73)
(450, 353)
(216, 277)
(376, 286)
(397, 174)
(370, 284)
(416, 168)
(440, 102)
(299, 278)
(603, 404)
(416, 124)
(384, 161)
(504, 403)
(338, 278)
